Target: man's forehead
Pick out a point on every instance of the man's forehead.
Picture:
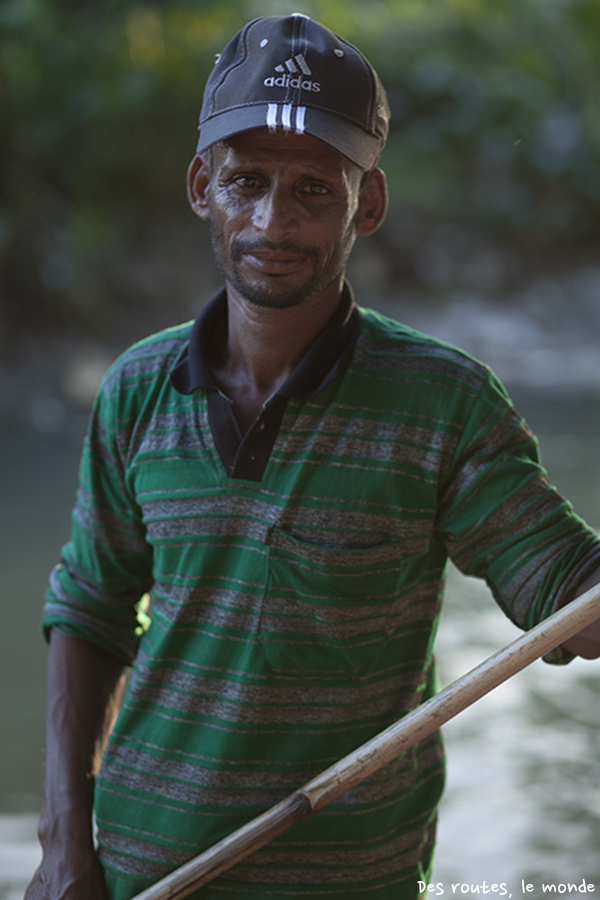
(268, 143)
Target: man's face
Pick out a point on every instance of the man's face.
(283, 211)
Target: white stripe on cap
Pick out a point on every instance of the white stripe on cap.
(288, 112)
(272, 115)
(300, 119)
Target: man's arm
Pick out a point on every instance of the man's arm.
(84, 689)
(586, 643)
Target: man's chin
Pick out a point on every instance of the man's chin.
(274, 301)
(275, 296)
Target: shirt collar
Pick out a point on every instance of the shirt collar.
(318, 366)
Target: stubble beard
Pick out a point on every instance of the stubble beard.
(277, 295)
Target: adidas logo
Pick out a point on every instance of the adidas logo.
(294, 73)
(294, 65)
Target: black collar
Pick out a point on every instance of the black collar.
(319, 365)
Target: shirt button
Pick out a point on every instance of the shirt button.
(262, 426)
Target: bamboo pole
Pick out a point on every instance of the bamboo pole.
(378, 751)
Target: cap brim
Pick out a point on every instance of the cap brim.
(347, 138)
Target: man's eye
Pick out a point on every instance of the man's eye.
(318, 189)
(246, 181)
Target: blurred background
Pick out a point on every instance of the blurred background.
(491, 243)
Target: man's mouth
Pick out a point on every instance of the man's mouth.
(272, 262)
(282, 259)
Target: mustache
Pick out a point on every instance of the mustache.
(241, 245)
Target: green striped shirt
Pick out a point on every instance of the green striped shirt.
(294, 615)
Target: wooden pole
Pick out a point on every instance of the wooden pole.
(378, 751)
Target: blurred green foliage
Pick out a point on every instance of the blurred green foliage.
(496, 128)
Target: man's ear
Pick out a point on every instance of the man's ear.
(372, 204)
(198, 179)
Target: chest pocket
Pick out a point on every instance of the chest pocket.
(327, 610)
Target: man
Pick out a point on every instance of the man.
(288, 477)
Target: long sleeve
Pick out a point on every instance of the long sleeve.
(106, 568)
(503, 521)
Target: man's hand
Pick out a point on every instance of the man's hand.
(71, 875)
(586, 643)
(84, 688)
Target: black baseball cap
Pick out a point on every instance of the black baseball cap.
(291, 72)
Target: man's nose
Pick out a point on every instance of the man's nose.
(276, 213)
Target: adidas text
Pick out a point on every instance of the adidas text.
(293, 82)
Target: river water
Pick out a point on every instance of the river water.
(523, 797)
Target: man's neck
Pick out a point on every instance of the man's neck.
(263, 346)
